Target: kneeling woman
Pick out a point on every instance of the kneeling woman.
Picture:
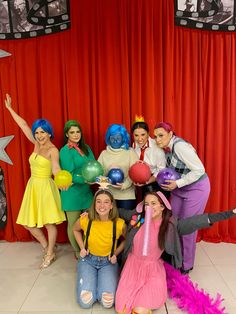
(98, 268)
(142, 286)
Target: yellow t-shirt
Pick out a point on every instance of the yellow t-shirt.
(101, 234)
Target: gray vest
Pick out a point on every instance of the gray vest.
(173, 161)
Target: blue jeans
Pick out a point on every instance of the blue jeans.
(96, 275)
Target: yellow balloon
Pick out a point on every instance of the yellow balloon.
(63, 178)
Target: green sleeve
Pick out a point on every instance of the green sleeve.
(67, 163)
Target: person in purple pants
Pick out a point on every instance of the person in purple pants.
(189, 194)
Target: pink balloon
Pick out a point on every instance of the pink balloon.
(147, 223)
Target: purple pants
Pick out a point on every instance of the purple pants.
(188, 201)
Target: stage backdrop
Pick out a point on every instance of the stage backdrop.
(122, 58)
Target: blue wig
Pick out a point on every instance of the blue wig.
(44, 124)
(113, 129)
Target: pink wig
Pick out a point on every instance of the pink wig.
(165, 125)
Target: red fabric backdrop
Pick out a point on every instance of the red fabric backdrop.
(121, 58)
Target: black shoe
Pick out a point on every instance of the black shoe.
(185, 271)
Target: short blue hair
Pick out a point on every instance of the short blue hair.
(44, 124)
(118, 128)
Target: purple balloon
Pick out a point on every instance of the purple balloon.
(167, 174)
(116, 175)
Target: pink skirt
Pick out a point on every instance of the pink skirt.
(142, 284)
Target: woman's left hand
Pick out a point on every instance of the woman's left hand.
(139, 184)
(64, 188)
(170, 186)
(113, 259)
(117, 186)
(8, 101)
(84, 214)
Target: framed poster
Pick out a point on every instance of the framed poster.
(31, 18)
(215, 15)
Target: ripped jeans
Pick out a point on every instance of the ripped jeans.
(96, 281)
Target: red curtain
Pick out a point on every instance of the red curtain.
(121, 58)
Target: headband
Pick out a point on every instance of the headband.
(139, 207)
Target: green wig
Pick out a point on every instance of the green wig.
(82, 145)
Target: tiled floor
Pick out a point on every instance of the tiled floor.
(26, 289)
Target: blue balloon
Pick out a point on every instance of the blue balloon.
(167, 174)
(116, 175)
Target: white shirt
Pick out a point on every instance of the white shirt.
(186, 153)
(153, 156)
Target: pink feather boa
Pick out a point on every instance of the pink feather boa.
(188, 296)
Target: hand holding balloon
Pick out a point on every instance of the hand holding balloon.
(147, 223)
(166, 178)
(117, 186)
(169, 186)
(115, 175)
(91, 170)
(103, 182)
(139, 173)
(63, 179)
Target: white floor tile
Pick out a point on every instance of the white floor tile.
(100, 310)
(79, 311)
(19, 255)
(65, 258)
(172, 307)
(220, 253)
(231, 310)
(201, 257)
(54, 290)
(26, 289)
(228, 274)
(3, 246)
(175, 311)
(209, 279)
(160, 311)
(15, 286)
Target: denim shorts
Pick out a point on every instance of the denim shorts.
(98, 275)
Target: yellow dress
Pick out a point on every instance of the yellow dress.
(41, 203)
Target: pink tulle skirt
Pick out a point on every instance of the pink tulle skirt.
(142, 284)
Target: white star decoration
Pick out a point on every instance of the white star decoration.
(4, 53)
(3, 143)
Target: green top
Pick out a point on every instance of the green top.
(79, 196)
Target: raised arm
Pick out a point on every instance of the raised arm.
(54, 155)
(194, 223)
(19, 121)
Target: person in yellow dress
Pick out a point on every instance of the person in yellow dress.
(41, 204)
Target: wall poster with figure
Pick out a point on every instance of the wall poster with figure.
(31, 18)
(3, 201)
(215, 15)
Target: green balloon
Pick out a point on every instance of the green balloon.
(91, 170)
